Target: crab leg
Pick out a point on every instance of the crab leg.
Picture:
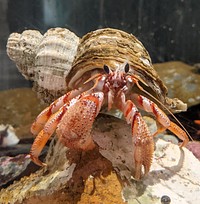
(142, 139)
(44, 135)
(91, 104)
(149, 106)
(43, 117)
(49, 126)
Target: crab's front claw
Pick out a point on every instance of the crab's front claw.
(74, 130)
(143, 144)
(73, 122)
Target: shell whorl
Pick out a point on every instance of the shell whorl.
(44, 59)
(21, 48)
(113, 48)
(53, 61)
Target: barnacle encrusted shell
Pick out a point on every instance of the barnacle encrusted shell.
(114, 48)
(46, 60)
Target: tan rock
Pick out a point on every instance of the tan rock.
(89, 177)
(182, 81)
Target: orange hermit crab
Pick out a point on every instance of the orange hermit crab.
(113, 70)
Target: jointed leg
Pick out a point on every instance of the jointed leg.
(149, 106)
(47, 121)
(43, 117)
(44, 135)
(142, 139)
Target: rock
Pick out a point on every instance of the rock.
(12, 167)
(7, 136)
(88, 177)
(19, 107)
(15, 163)
(182, 81)
(83, 178)
(194, 147)
(173, 173)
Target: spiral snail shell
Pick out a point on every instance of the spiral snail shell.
(44, 59)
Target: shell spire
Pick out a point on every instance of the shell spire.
(44, 59)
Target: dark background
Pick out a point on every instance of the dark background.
(169, 29)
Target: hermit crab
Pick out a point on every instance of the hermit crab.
(106, 69)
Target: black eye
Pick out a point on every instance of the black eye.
(106, 69)
(126, 68)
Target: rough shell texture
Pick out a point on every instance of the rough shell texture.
(44, 59)
(114, 48)
(21, 48)
(55, 65)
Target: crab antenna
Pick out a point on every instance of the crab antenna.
(92, 78)
(106, 69)
(126, 68)
(165, 108)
